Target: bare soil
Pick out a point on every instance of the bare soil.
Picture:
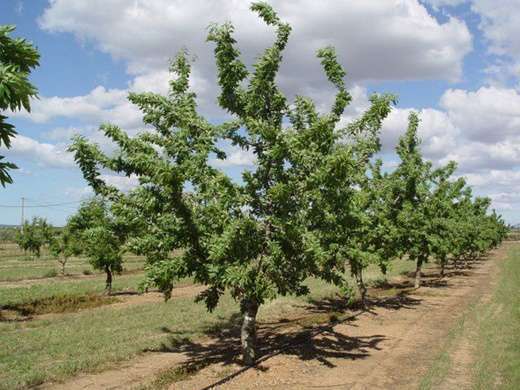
(390, 345)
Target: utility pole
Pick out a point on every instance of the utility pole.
(23, 219)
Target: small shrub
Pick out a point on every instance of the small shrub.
(87, 272)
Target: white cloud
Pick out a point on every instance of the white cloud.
(61, 133)
(489, 114)
(236, 157)
(122, 183)
(99, 105)
(43, 153)
(394, 39)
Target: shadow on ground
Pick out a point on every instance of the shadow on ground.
(297, 336)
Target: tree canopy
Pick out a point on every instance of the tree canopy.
(315, 204)
(18, 58)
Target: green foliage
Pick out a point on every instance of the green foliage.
(313, 203)
(8, 234)
(94, 232)
(17, 59)
(34, 235)
(64, 245)
(434, 214)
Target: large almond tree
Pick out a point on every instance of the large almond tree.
(258, 237)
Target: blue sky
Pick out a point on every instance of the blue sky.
(456, 61)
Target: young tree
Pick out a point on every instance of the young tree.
(410, 187)
(17, 58)
(258, 238)
(445, 195)
(34, 235)
(350, 224)
(102, 238)
(63, 246)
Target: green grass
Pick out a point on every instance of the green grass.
(493, 328)
(15, 265)
(64, 345)
(24, 294)
(498, 364)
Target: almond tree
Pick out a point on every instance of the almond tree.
(446, 195)
(63, 246)
(34, 235)
(257, 238)
(410, 188)
(351, 223)
(101, 236)
(17, 59)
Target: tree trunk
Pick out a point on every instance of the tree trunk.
(361, 286)
(108, 285)
(63, 262)
(418, 272)
(443, 265)
(248, 333)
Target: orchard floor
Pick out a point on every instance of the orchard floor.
(405, 339)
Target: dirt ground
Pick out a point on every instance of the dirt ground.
(391, 345)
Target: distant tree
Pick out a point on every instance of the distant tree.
(102, 240)
(17, 58)
(65, 245)
(34, 235)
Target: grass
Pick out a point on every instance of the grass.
(15, 265)
(63, 345)
(493, 330)
(90, 340)
(24, 294)
(60, 304)
(498, 363)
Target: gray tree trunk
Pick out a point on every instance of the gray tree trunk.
(108, 285)
(418, 272)
(361, 286)
(63, 263)
(248, 333)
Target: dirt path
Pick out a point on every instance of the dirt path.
(392, 345)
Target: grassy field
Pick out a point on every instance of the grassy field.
(498, 365)
(15, 265)
(492, 329)
(61, 345)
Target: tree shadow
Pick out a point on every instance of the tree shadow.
(296, 336)
(320, 343)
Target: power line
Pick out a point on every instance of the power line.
(40, 205)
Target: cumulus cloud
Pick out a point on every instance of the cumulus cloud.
(489, 114)
(122, 183)
(394, 39)
(99, 105)
(236, 157)
(376, 40)
(436, 131)
(45, 154)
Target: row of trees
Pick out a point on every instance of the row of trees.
(316, 204)
(91, 232)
